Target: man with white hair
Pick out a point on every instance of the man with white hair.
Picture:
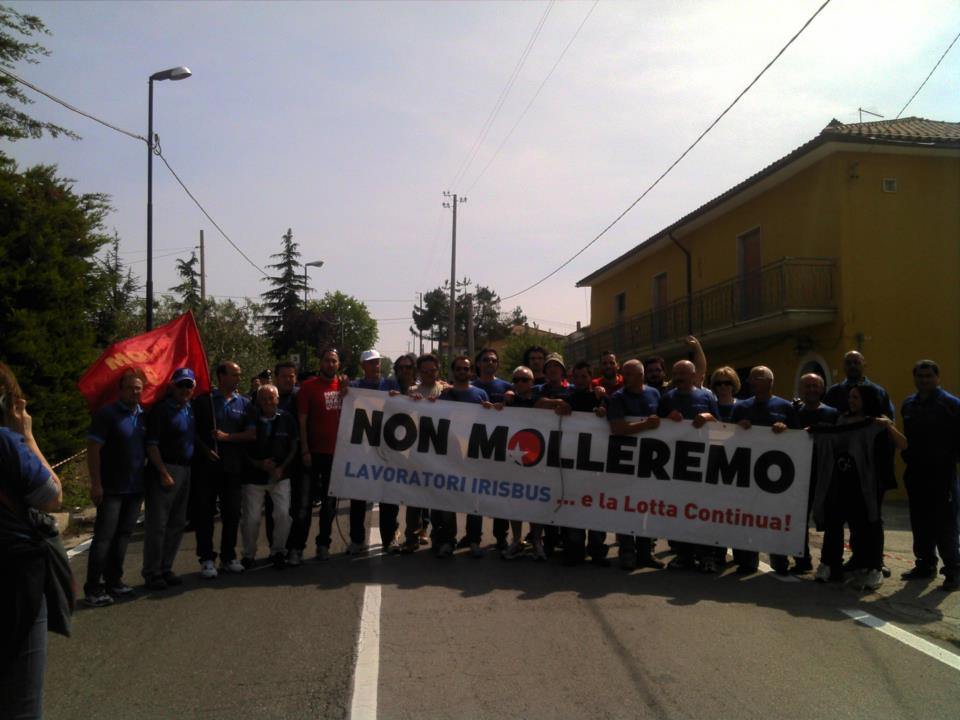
(766, 410)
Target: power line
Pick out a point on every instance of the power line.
(71, 107)
(498, 105)
(928, 76)
(535, 95)
(674, 163)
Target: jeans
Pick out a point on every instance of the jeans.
(254, 496)
(226, 486)
(116, 519)
(166, 518)
(317, 488)
(21, 687)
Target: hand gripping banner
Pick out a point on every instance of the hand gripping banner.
(718, 485)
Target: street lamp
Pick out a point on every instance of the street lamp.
(176, 73)
(315, 263)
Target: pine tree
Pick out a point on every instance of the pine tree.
(189, 287)
(284, 301)
(119, 298)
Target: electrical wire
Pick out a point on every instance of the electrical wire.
(535, 96)
(674, 163)
(952, 43)
(498, 105)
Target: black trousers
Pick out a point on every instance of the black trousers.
(444, 527)
(213, 484)
(845, 505)
(416, 519)
(389, 523)
(315, 486)
(934, 516)
(573, 544)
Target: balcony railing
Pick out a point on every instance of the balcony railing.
(787, 286)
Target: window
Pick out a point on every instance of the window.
(889, 185)
(749, 271)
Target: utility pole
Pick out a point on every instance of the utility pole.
(452, 327)
(471, 345)
(420, 310)
(203, 272)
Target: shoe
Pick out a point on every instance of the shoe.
(294, 558)
(278, 560)
(410, 546)
(476, 552)
(208, 570)
(120, 589)
(869, 579)
(323, 553)
(502, 544)
(445, 551)
(512, 552)
(392, 548)
(708, 566)
(98, 598)
(247, 563)
(356, 549)
(919, 572)
(747, 569)
(801, 566)
(781, 566)
(628, 562)
(539, 554)
(824, 573)
(649, 561)
(681, 562)
(423, 537)
(885, 570)
(464, 542)
(172, 579)
(156, 583)
(232, 566)
(950, 584)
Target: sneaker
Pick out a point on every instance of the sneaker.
(445, 551)
(410, 546)
(869, 579)
(824, 573)
(392, 548)
(708, 566)
(294, 558)
(208, 570)
(172, 579)
(886, 571)
(120, 589)
(356, 549)
(513, 551)
(98, 598)
(539, 554)
(323, 553)
(781, 566)
(476, 552)
(919, 573)
(247, 563)
(232, 566)
(278, 560)
(156, 583)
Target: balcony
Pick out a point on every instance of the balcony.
(785, 295)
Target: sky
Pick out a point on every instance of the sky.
(346, 121)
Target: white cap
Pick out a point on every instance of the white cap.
(367, 355)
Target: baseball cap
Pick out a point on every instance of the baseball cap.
(367, 355)
(181, 374)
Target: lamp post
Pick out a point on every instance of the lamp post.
(176, 73)
(315, 263)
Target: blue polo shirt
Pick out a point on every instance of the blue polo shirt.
(765, 414)
(822, 415)
(22, 475)
(689, 404)
(122, 432)
(624, 404)
(494, 388)
(172, 429)
(470, 395)
(233, 414)
(932, 427)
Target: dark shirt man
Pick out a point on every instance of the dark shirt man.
(488, 362)
(931, 420)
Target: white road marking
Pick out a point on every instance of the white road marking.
(82, 547)
(909, 639)
(366, 673)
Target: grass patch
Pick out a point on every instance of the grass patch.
(76, 484)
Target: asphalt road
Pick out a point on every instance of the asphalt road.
(465, 638)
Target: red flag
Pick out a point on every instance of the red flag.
(157, 353)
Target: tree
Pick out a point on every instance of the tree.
(512, 354)
(189, 287)
(284, 301)
(50, 282)
(355, 331)
(14, 123)
(489, 323)
(119, 298)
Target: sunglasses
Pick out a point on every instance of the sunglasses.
(521, 378)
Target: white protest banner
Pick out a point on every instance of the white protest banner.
(717, 485)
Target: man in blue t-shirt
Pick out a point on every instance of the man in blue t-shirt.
(639, 401)
(445, 521)
(115, 459)
(766, 410)
(684, 401)
(171, 431)
(488, 362)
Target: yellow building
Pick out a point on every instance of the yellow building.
(852, 241)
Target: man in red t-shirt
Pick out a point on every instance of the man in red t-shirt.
(318, 410)
(610, 378)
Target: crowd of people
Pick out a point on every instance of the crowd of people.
(269, 454)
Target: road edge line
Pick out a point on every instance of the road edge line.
(907, 638)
